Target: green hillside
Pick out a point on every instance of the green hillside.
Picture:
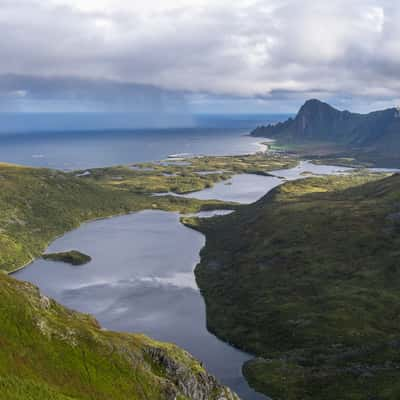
(50, 352)
(308, 279)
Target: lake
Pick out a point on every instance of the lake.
(138, 281)
(248, 188)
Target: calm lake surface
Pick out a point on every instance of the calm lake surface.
(138, 281)
(248, 188)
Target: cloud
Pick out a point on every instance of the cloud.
(33, 93)
(252, 48)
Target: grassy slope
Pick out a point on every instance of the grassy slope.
(308, 278)
(50, 352)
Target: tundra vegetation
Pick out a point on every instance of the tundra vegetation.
(308, 279)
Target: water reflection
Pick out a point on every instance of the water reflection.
(141, 279)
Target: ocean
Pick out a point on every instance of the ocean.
(28, 139)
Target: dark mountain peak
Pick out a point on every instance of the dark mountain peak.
(316, 117)
(320, 121)
(316, 105)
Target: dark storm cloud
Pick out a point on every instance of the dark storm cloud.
(267, 50)
(29, 93)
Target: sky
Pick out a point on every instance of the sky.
(260, 56)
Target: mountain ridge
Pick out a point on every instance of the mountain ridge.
(319, 121)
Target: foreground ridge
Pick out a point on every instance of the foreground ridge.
(50, 352)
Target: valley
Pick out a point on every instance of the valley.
(267, 262)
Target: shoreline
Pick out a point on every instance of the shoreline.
(162, 157)
(33, 259)
(264, 149)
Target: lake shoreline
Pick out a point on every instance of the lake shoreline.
(150, 205)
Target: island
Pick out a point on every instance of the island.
(72, 257)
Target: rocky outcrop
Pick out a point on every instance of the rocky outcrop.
(193, 383)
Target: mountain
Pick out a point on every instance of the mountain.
(50, 352)
(318, 121)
